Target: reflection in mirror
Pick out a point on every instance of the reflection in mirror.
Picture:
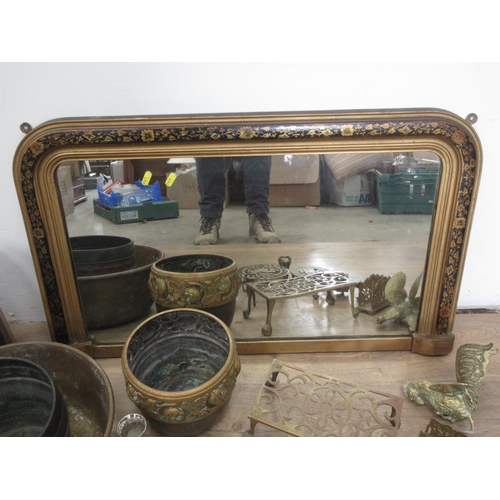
(364, 216)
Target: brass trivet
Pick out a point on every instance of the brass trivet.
(292, 288)
(304, 271)
(262, 272)
(302, 403)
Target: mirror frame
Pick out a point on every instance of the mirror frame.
(434, 130)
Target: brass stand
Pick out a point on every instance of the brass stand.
(292, 288)
(302, 403)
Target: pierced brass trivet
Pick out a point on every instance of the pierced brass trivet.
(292, 288)
(436, 429)
(262, 272)
(304, 271)
(302, 403)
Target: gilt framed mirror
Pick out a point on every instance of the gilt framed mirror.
(431, 244)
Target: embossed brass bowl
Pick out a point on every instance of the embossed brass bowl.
(200, 281)
(180, 368)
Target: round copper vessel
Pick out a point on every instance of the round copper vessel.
(180, 368)
(31, 405)
(84, 385)
(101, 254)
(121, 297)
(200, 281)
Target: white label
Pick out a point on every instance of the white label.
(131, 214)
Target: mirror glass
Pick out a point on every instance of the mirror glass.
(367, 216)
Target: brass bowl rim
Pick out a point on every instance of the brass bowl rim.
(169, 396)
(161, 273)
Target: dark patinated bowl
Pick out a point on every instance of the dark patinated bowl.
(31, 405)
(180, 368)
(117, 298)
(101, 254)
(84, 385)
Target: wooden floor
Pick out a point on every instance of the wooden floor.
(381, 371)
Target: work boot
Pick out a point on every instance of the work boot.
(260, 226)
(209, 231)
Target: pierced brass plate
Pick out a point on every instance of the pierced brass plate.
(302, 403)
(437, 429)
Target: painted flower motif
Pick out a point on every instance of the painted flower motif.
(405, 130)
(327, 132)
(460, 223)
(147, 135)
(246, 133)
(445, 312)
(38, 233)
(459, 137)
(37, 148)
(347, 131)
(89, 136)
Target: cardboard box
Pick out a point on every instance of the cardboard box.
(356, 190)
(184, 190)
(154, 210)
(295, 181)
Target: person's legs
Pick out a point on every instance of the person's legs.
(212, 189)
(212, 186)
(256, 177)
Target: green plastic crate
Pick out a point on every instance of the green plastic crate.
(139, 212)
(407, 193)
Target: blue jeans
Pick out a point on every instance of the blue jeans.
(212, 185)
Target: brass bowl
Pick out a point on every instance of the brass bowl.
(180, 368)
(200, 281)
(82, 382)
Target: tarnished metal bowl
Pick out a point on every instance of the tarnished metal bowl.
(31, 405)
(180, 368)
(101, 254)
(200, 281)
(117, 298)
(82, 382)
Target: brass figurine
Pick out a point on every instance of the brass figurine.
(404, 306)
(455, 400)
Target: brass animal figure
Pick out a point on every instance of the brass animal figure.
(455, 400)
(404, 306)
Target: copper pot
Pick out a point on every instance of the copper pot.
(83, 383)
(200, 281)
(180, 368)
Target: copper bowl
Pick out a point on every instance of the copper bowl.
(120, 297)
(31, 405)
(180, 368)
(83, 383)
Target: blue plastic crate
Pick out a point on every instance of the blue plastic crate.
(145, 194)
